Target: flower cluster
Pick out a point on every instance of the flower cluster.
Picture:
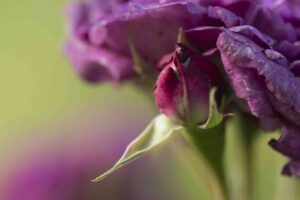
(250, 48)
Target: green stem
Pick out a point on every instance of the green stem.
(241, 134)
(297, 183)
(249, 169)
(248, 135)
(209, 144)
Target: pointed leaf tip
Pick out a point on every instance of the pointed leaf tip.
(157, 132)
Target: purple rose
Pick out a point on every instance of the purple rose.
(182, 88)
(258, 42)
(98, 40)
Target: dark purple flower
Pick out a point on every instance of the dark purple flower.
(182, 88)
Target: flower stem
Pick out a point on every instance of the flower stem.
(241, 134)
(209, 145)
(248, 135)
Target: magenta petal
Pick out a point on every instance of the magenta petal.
(168, 94)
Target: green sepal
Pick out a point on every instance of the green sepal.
(143, 69)
(214, 117)
(157, 132)
(181, 39)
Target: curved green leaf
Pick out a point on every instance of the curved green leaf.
(157, 132)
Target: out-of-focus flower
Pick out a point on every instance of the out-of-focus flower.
(65, 173)
(65, 176)
(89, 61)
(183, 86)
(289, 9)
(98, 40)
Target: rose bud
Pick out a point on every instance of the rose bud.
(183, 86)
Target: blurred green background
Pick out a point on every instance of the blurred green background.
(39, 88)
(44, 105)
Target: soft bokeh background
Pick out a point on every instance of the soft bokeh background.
(50, 119)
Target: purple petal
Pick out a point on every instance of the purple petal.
(204, 37)
(247, 84)
(250, 87)
(295, 68)
(158, 23)
(240, 8)
(96, 64)
(228, 18)
(289, 144)
(286, 111)
(270, 23)
(289, 9)
(289, 50)
(292, 169)
(243, 53)
(255, 35)
(276, 57)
